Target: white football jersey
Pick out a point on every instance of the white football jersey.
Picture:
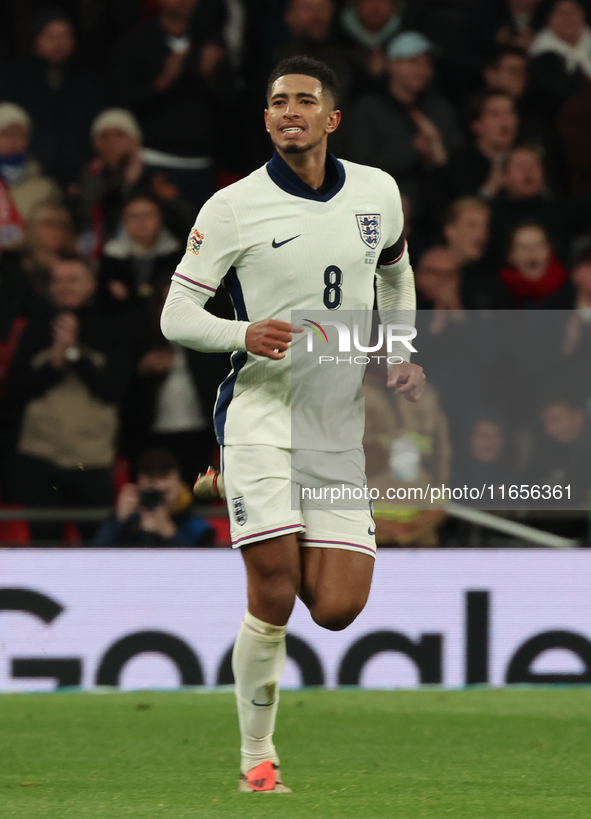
(278, 245)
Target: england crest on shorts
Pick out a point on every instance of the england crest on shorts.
(369, 228)
(239, 510)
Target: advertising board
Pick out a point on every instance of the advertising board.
(160, 618)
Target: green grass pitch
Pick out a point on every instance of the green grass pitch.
(479, 754)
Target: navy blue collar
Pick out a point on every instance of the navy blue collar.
(288, 180)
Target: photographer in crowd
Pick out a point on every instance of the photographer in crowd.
(157, 510)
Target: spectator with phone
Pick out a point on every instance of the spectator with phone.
(156, 510)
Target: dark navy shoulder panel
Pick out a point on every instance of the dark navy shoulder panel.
(238, 358)
(232, 284)
(288, 180)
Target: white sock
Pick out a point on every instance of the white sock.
(257, 662)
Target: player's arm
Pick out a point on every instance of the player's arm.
(214, 246)
(397, 305)
(185, 320)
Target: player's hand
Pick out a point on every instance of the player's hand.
(407, 379)
(270, 338)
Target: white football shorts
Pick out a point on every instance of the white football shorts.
(259, 490)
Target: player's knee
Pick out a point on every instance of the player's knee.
(335, 615)
(275, 594)
(279, 598)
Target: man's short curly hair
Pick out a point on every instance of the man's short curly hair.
(300, 64)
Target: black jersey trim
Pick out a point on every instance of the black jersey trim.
(237, 360)
(288, 180)
(391, 255)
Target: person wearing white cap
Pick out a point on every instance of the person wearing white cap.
(117, 140)
(413, 128)
(118, 119)
(20, 172)
(11, 114)
(111, 176)
(116, 173)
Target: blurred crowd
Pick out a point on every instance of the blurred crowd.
(118, 120)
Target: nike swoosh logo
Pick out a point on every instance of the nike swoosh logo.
(369, 532)
(285, 241)
(263, 704)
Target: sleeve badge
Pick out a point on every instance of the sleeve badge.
(195, 242)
